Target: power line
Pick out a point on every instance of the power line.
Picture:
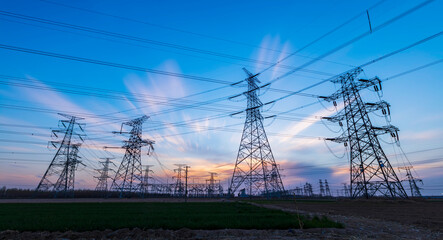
(365, 64)
(323, 36)
(111, 64)
(145, 40)
(413, 70)
(381, 26)
(104, 93)
(160, 26)
(222, 115)
(144, 46)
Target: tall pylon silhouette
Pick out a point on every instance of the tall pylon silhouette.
(129, 179)
(255, 168)
(415, 190)
(371, 172)
(60, 175)
(102, 185)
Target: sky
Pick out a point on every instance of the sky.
(206, 44)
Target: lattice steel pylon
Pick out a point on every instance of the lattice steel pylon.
(102, 185)
(327, 189)
(322, 188)
(255, 167)
(129, 179)
(179, 187)
(371, 173)
(60, 175)
(146, 178)
(213, 186)
(415, 190)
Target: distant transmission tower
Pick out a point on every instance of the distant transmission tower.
(102, 185)
(346, 191)
(60, 175)
(213, 186)
(146, 178)
(181, 188)
(322, 188)
(371, 173)
(307, 189)
(255, 167)
(327, 190)
(128, 178)
(415, 190)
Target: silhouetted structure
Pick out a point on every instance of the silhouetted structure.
(322, 188)
(60, 175)
(255, 167)
(370, 173)
(415, 190)
(213, 187)
(146, 178)
(102, 184)
(327, 190)
(181, 188)
(307, 189)
(128, 178)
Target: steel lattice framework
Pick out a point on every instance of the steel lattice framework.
(102, 184)
(370, 170)
(129, 178)
(415, 190)
(60, 175)
(255, 168)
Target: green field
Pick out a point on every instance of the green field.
(100, 216)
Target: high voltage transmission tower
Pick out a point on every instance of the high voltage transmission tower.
(146, 178)
(322, 188)
(60, 175)
(181, 188)
(129, 179)
(102, 185)
(307, 190)
(255, 167)
(213, 186)
(415, 190)
(327, 189)
(370, 170)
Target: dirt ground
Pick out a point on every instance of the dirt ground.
(362, 220)
(425, 214)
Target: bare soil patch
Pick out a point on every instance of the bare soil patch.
(425, 214)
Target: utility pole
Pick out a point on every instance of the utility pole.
(370, 170)
(186, 182)
(102, 185)
(255, 167)
(128, 178)
(60, 175)
(415, 190)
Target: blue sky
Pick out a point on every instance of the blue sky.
(258, 30)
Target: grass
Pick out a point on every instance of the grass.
(100, 216)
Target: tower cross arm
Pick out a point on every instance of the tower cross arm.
(339, 139)
(382, 105)
(385, 129)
